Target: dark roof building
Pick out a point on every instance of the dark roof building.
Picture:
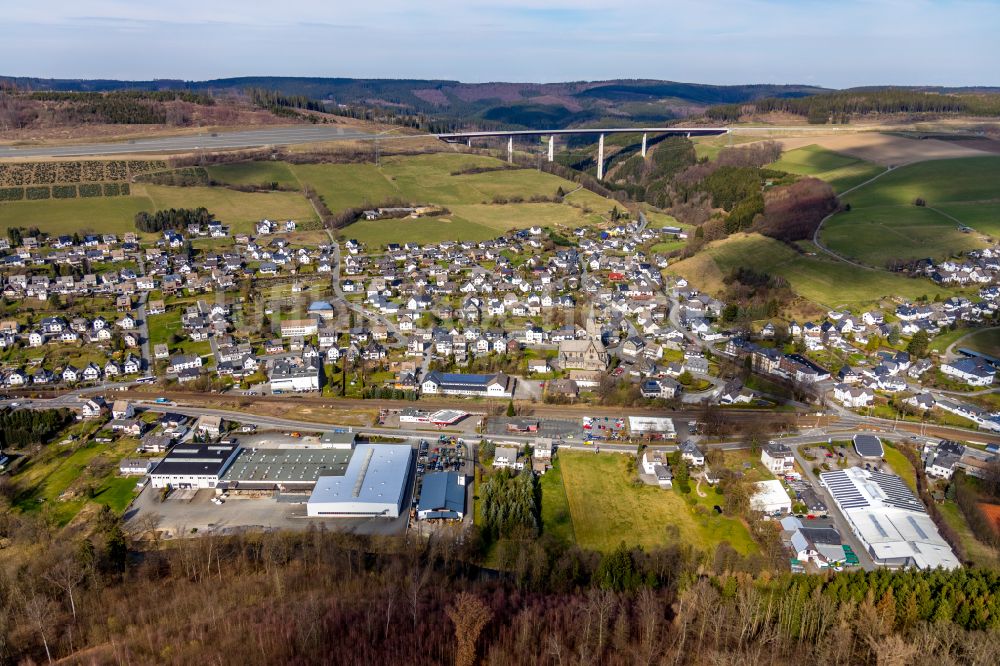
(194, 465)
(868, 446)
(442, 496)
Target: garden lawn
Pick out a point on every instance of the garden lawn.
(842, 171)
(556, 518)
(900, 465)
(607, 507)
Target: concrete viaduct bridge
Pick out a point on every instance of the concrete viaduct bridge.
(645, 131)
(689, 132)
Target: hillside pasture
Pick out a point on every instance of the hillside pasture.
(473, 222)
(842, 171)
(814, 276)
(429, 179)
(937, 182)
(875, 235)
(885, 224)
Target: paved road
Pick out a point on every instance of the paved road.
(273, 136)
(339, 297)
(147, 356)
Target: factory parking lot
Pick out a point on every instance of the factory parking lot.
(190, 513)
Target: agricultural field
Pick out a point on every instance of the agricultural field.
(874, 235)
(606, 508)
(67, 216)
(884, 224)
(429, 179)
(240, 210)
(254, 173)
(417, 179)
(816, 277)
(842, 171)
(117, 214)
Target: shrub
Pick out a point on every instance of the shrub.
(125, 189)
(90, 190)
(37, 193)
(64, 191)
(11, 193)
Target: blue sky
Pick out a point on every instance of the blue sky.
(836, 43)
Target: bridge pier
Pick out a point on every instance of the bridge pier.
(470, 142)
(552, 147)
(510, 149)
(644, 144)
(600, 158)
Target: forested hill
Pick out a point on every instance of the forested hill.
(842, 106)
(497, 104)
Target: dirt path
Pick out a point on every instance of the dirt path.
(697, 489)
(949, 353)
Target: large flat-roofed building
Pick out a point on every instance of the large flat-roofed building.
(194, 465)
(451, 383)
(294, 374)
(299, 328)
(338, 440)
(771, 497)
(284, 470)
(374, 484)
(889, 520)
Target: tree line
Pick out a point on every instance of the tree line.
(840, 107)
(26, 427)
(172, 219)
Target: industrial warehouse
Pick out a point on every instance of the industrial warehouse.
(374, 484)
(284, 470)
(888, 519)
